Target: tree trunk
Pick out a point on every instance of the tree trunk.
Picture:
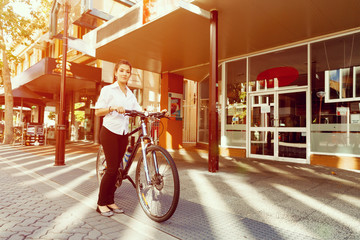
(9, 100)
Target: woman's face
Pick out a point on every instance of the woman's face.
(123, 74)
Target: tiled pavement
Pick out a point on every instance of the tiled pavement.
(246, 199)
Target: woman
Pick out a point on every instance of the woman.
(112, 102)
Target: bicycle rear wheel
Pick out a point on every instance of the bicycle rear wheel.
(160, 198)
(100, 164)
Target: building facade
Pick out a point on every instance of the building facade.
(299, 103)
(288, 73)
(287, 88)
(40, 70)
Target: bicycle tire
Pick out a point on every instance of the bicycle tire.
(100, 164)
(159, 199)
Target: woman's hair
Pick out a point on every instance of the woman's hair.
(117, 65)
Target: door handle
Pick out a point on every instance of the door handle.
(276, 122)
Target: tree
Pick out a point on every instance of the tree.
(15, 30)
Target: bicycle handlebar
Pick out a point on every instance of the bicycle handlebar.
(146, 114)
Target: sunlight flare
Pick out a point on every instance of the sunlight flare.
(211, 198)
(324, 208)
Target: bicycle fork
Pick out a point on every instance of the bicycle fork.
(143, 149)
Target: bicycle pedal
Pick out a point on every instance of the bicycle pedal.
(118, 183)
(119, 178)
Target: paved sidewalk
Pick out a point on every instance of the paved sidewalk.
(246, 199)
(34, 207)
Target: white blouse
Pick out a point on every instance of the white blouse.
(111, 95)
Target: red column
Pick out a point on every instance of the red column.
(213, 81)
(172, 134)
(61, 127)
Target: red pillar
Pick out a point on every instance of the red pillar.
(61, 127)
(172, 134)
(213, 81)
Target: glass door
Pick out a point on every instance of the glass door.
(262, 125)
(278, 125)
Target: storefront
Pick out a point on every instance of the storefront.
(282, 90)
(298, 104)
(43, 79)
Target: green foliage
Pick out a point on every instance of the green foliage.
(19, 29)
(15, 30)
(51, 115)
(79, 115)
(236, 94)
(242, 97)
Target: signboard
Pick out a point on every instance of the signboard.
(355, 118)
(342, 111)
(153, 9)
(265, 108)
(175, 105)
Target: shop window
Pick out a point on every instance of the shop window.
(150, 83)
(189, 110)
(279, 69)
(335, 86)
(342, 84)
(235, 108)
(18, 68)
(203, 120)
(32, 59)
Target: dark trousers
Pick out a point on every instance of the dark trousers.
(114, 146)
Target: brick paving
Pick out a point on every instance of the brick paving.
(31, 212)
(246, 199)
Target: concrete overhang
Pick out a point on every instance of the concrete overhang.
(178, 41)
(42, 77)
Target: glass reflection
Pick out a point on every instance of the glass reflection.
(335, 71)
(262, 142)
(204, 111)
(279, 69)
(263, 111)
(235, 128)
(292, 144)
(292, 109)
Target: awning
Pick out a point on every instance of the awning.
(44, 77)
(179, 41)
(23, 96)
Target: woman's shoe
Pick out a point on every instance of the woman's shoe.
(116, 210)
(105, 214)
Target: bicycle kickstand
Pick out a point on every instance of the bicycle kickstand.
(130, 179)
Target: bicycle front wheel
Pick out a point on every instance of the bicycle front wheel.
(100, 164)
(158, 199)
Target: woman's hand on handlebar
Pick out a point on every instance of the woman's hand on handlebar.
(166, 113)
(118, 109)
(134, 113)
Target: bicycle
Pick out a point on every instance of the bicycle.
(156, 178)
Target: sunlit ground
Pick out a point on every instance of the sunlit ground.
(32, 165)
(307, 200)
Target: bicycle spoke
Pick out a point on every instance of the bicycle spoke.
(160, 198)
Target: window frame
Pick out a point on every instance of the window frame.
(356, 69)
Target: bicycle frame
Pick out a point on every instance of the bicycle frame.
(141, 141)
